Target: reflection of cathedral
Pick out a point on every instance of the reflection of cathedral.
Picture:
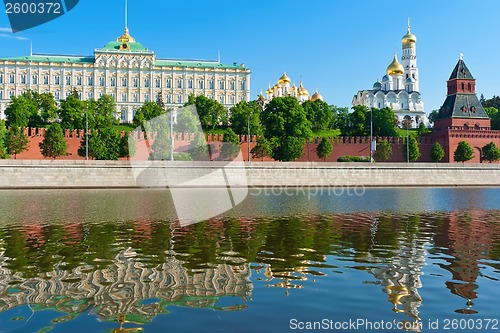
(399, 89)
(282, 88)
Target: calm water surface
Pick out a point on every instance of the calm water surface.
(98, 260)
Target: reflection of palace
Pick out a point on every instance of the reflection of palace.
(121, 288)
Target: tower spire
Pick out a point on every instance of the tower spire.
(126, 14)
(408, 24)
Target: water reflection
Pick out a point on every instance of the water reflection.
(130, 272)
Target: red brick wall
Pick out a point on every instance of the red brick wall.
(356, 146)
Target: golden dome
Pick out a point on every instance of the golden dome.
(284, 78)
(294, 87)
(395, 68)
(316, 96)
(303, 91)
(409, 38)
(125, 38)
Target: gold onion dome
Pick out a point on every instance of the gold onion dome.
(125, 38)
(302, 90)
(395, 68)
(284, 78)
(409, 37)
(316, 96)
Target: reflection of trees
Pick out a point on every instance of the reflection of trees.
(136, 269)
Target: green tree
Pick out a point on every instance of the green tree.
(325, 148)
(104, 144)
(358, 123)
(437, 152)
(101, 113)
(187, 122)
(384, 151)
(464, 152)
(48, 107)
(241, 113)
(286, 128)
(422, 130)
(494, 116)
(198, 148)
(71, 113)
(3, 136)
(211, 113)
(22, 109)
(146, 112)
(433, 116)
(262, 149)
(161, 146)
(340, 118)
(319, 113)
(383, 122)
(413, 149)
(128, 145)
(54, 143)
(491, 152)
(16, 141)
(230, 145)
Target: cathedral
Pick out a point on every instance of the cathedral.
(282, 88)
(399, 88)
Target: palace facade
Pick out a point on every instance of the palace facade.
(399, 89)
(126, 70)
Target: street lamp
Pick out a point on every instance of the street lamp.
(86, 135)
(248, 137)
(371, 135)
(171, 134)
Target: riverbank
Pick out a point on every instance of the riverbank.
(37, 174)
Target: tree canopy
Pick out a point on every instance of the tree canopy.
(325, 148)
(211, 113)
(384, 151)
(437, 152)
(319, 113)
(54, 143)
(464, 152)
(491, 152)
(286, 128)
(414, 150)
(243, 114)
(16, 141)
(3, 147)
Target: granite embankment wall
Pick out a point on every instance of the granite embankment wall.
(120, 174)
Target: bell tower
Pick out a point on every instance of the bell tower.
(409, 60)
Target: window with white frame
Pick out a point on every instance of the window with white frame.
(12, 78)
(124, 81)
(135, 97)
(68, 80)
(124, 97)
(123, 115)
(23, 79)
(242, 85)
(113, 95)
(222, 100)
(179, 98)
(57, 95)
(179, 83)
(190, 84)
(231, 99)
(1, 78)
(169, 83)
(200, 84)
(34, 79)
(45, 79)
(90, 95)
(57, 80)
(169, 99)
(135, 82)
(221, 84)
(146, 97)
(90, 81)
(231, 85)
(211, 84)
(146, 82)
(158, 83)
(78, 80)
(113, 81)
(102, 81)
(12, 93)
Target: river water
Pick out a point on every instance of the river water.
(349, 260)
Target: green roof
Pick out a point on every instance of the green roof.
(133, 47)
(193, 63)
(53, 58)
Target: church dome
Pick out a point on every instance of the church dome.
(284, 79)
(395, 68)
(303, 91)
(316, 96)
(377, 86)
(387, 78)
(410, 80)
(409, 38)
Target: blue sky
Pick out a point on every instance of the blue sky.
(337, 47)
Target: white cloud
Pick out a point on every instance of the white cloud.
(2, 29)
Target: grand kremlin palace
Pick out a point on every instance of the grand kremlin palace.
(127, 71)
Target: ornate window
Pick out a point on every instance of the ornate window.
(146, 82)
(221, 84)
(231, 85)
(124, 81)
(179, 83)
(158, 83)
(68, 80)
(45, 79)
(113, 81)
(135, 82)
(23, 79)
(12, 78)
(200, 84)
(190, 83)
(35, 79)
(169, 83)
